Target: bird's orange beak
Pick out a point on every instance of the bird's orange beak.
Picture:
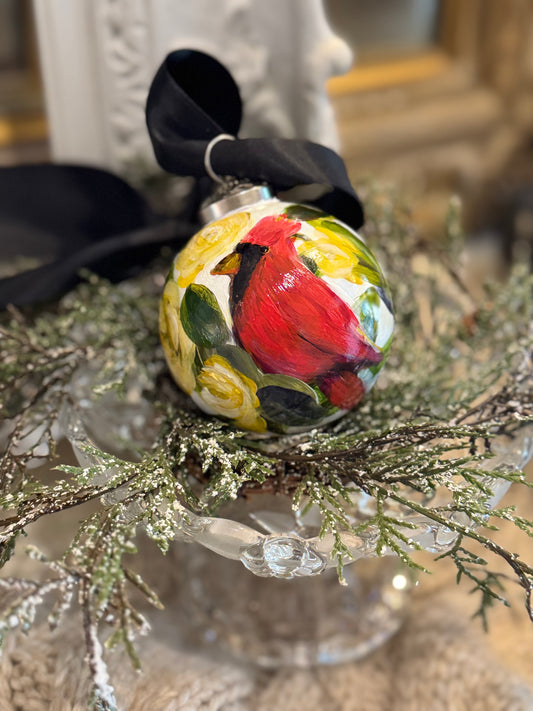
(229, 265)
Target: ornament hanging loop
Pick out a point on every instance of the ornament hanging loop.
(207, 157)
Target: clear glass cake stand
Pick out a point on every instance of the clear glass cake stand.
(258, 581)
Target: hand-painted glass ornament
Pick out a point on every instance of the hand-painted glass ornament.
(276, 317)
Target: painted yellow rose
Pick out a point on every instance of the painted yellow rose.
(339, 257)
(178, 347)
(210, 244)
(226, 392)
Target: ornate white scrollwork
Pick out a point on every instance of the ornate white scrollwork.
(122, 34)
(98, 58)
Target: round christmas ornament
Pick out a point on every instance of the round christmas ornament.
(276, 316)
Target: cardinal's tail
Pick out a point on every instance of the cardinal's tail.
(363, 352)
(343, 388)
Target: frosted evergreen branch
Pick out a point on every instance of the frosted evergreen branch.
(522, 570)
(429, 425)
(33, 509)
(102, 693)
(21, 599)
(486, 582)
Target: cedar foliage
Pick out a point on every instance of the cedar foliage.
(458, 378)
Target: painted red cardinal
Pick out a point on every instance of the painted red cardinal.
(289, 320)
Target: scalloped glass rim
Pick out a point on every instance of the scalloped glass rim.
(288, 545)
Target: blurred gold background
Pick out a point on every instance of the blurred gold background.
(441, 101)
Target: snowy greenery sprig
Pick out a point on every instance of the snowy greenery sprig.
(459, 376)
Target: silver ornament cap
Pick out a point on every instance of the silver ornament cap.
(241, 195)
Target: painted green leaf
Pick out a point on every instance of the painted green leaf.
(202, 318)
(367, 308)
(370, 275)
(289, 383)
(368, 267)
(309, 263)
(241, 361)
(244, 363)
(334, 226)
(289, 407)
(198, 362)
(386, 348)
(376, 367)
(303, 212)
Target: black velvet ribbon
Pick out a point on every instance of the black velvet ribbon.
(68, 218)
(74, 217)
(193, 99)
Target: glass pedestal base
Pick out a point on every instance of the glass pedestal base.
(300, 622)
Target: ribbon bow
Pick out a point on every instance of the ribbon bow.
(75, 217)
(193, 100)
